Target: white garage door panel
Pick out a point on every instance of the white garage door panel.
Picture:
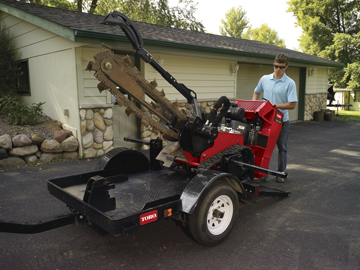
(124, 126)
(249, 75)
(294, 73)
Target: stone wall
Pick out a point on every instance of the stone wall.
(314, 102)
(97, 136)
(21, 150)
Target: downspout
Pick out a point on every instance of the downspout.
(302, 92)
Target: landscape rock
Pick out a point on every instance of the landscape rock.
(37, 139)
(21, 140)
(100, 153)
(154, 136)
(108, 134)
(12, 162)
(107, 144)
(23, 151)
(60, 135)
(48, 157)
(3, 154)
(109, 149)
(88, 140)
(203, 104)
(5, 142)
(99, 122)
(83, 127)
(108, 113)
(97, 145)
(30, 159)
(71, 155)
(146, 133)
(108, 122)
(90, 153)
(90, 125)
(70, 144)
(98, 136)
(89, 114)
(82, 114)
(51, 146)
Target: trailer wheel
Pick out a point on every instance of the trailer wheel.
(215, 215)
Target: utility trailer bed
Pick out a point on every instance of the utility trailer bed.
(134, 195)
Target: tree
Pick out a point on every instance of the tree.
(8, 63)
(264, 34)
(64, 4)
(322, 19)
(235, 24)
(150, 11)
(329, 27)
(156, 12)
(345, 48)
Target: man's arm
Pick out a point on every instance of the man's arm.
(255, 96)
(286, 106)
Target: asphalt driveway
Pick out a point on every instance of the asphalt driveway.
(316, 227)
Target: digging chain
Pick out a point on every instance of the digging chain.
(216, 159)
(135, 85)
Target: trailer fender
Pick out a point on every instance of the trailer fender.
(131, 161)
(198, 185)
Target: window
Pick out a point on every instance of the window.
(23, 82)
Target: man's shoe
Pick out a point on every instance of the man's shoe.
(280, 179)
(262, 179)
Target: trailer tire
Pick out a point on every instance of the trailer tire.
(215, 215)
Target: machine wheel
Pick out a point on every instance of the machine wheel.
(215, 215)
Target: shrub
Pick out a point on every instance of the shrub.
(8, 63)
(20, 114)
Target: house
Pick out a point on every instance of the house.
(56, 44)
(346, 99)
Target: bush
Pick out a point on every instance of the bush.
(8, 63)
(20, 114)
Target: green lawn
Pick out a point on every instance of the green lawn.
(348, 116)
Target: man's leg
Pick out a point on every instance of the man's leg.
(282, 143)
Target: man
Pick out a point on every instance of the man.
(280, 90)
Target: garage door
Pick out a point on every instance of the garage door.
(123, 125)
(249, 75)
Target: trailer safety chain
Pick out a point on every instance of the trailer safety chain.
(216, 159)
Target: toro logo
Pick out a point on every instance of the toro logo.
(278, 118)
(148, 217)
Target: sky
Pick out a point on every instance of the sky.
(210, 13)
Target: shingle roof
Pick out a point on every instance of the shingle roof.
(90, 22)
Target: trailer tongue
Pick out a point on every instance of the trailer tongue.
(198, 179)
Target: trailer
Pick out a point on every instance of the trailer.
(197, 179)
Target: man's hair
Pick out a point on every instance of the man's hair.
(282, 58)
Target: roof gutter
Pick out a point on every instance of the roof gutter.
(187, 47)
